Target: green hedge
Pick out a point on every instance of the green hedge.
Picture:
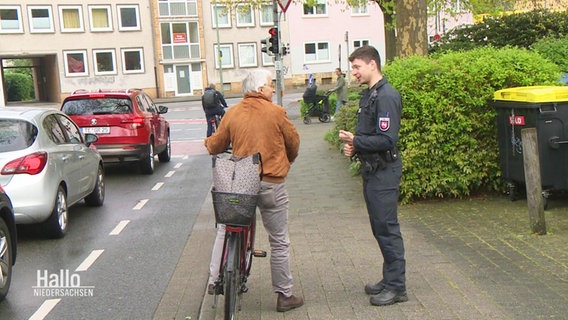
(555, 50)
(19, 87)
(448, 138)
(519, 30)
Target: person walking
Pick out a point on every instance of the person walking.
(341, 89)
(257, 125)
(213, 104)
(374, 143)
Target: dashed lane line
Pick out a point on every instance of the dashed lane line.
(119, 227)
(157, 186)
(84, 266)
(44, 309)
(140, 204)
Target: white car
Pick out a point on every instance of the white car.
(47, 165)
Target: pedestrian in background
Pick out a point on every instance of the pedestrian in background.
(374, 143)
(257, 125)
(213, 104)
(341, 89)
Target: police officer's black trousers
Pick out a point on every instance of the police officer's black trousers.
(381, 191)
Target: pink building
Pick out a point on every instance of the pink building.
(321, 37)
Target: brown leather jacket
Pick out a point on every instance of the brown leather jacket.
(257, 125)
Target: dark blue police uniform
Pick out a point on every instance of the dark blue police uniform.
(376, 136)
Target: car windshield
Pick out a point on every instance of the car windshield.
(16, 134)
(90, 106)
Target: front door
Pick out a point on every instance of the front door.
(182, 80)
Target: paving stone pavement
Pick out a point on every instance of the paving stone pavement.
(466, 259)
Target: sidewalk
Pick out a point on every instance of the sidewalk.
(466, 259)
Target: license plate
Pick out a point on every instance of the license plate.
(96, 130)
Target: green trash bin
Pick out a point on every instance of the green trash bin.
(546, 109)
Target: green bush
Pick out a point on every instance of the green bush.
(518, 30)
(555, 50)
(19, 87)
(448, 139)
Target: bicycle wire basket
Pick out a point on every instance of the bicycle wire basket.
(234, 209)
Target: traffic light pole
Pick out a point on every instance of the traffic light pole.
(277, 55)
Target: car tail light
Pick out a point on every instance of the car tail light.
(30, 164)
(135, 123)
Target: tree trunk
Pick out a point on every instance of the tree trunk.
(411, 30)
(390, 37)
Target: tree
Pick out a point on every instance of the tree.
(411, 28)
(406, 18)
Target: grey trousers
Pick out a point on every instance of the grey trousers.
(273, 205)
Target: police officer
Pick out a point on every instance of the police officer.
(374, 143)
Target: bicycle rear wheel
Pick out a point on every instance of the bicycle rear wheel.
(232, 275)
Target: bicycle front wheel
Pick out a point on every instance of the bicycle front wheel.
(232, 274)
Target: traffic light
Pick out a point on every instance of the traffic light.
(274, 46)
(286, 49)
(264, 46)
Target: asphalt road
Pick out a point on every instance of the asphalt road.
(123, 253)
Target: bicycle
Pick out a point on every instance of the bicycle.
(215, 122)
(238, 213)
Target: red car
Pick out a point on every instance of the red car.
(129, 125)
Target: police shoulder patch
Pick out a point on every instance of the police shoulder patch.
(384, 123)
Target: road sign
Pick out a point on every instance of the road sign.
(284, 4)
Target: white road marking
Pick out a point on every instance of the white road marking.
(44, 309)
(169, 174)
(157, 186)
(84, 266)
(119, 227)
(177, 165)
(140, 204)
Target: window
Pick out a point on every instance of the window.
(100, 18)
(104, 62)
(316, 52)
(247, 55)
(360, 9)
(180, 40)
(10, 19)
(266, 15)
(244, 16)
(320, 8)
(75, 63)
(360, 43)
(40, 19)
(226, 51)
(71, 19)
(53, 130)
(128, 18)
(267, 60)
(132, 61)
(220, 16)
(73, 133)
(169, 8)
(459, 6)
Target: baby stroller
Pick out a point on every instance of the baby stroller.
(318, 106)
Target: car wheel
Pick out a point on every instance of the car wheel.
(166, 155)
(57, 222)
(5, 259)
(147, 162)
(97, 197)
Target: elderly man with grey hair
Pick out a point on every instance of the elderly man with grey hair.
(257, 125)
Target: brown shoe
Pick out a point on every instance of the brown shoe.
(284, 304)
